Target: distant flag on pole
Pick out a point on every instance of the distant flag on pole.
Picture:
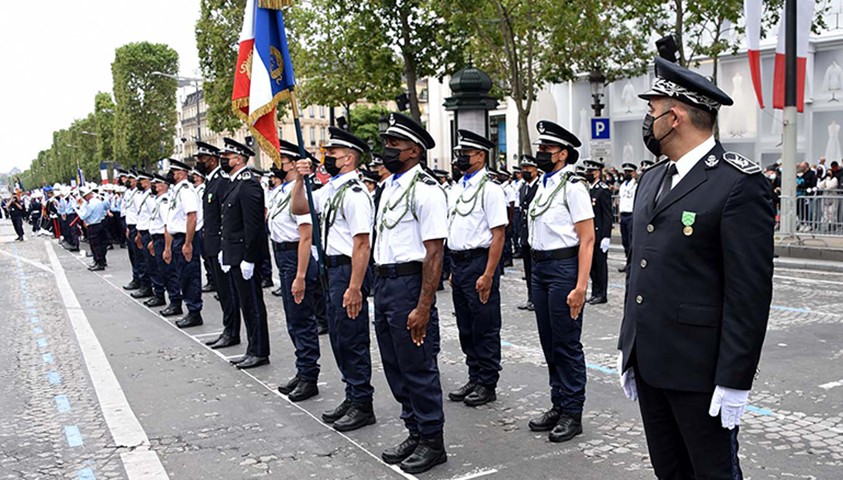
(804, 18)
(263, 75)
(752, 14)
(103, 173)
(80, 176)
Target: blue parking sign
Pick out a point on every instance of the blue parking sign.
(600, 129)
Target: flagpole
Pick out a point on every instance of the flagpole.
(308, 188)
(789, 205)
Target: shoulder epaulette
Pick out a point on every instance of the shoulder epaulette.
(745, 165)
(426, 178)
(244, 175)
(574, 178)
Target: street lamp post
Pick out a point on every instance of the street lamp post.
(183, 82)
(598, 82)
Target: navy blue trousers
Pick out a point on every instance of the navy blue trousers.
(136, 258)
(227, 293)
(98, 240)
(70, 230)
(411, 371)
(479, 324)
(626, 229)
(156, 279)
(350, 340)
(559, 334)
(190, 273)
(250, 297)
(301, 320)
(169, 272)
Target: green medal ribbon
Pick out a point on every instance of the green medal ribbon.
(688, 218)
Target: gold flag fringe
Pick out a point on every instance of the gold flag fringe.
(274, 4)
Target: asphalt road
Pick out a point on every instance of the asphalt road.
(108, 389)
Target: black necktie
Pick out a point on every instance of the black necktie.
(667, 182)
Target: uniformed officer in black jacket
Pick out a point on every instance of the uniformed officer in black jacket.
(601, 202)
(530, 174)
(243, 247)
(208, 163)
(699, 285)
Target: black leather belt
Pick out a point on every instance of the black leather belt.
(558, 254)
(179, 235)
(465, 255)
(287, 246)
(157, 236)
(398, 269)
(626, 214)
(332, 261)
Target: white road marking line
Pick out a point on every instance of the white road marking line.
(830, 385)
(207, 334)
(141, 462)
(479, 474)
(377, 458)
(26, 260)
(807, 280)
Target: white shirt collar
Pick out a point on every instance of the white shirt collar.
(475, 179)
(554, 179)
(406, 177)
(340, 180)
(687, 161)
(213, 172)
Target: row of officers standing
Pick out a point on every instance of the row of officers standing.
(679, 346)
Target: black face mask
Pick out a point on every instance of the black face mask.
(527, 176)
(464, 162)
(652, 143)
(225, 165)
(171, 177)
(331, 166)
(392, 159)
(201, 168)
(544, 160)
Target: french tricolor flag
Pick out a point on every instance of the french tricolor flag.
(753, 10)
(263, 74)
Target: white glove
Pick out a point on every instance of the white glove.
(247, 269)
(630, 389)
(604, 244)
(730, 404)
(225, 268)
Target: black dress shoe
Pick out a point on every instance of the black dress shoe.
(569, 426)
(358, 415)
(400, 452)
(133, 285)
(528, 305)
(155, 302)
(278, 292)
(208, 288)
(192, 319)
(238, 360)
(73, 249)
(304, 390)
(224, 342)
(216, 297)
(332, 416)
(429, 453)
(289, 386)
(459, 394)
(321, 329)
(598, 300)
(97, 267)
(144, 292)
(253, 362)
(480, 396)
(211, 342)
(546, 421)
(267, 282)
(172, 309)
(624, 269)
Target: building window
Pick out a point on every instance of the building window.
(312, 136)
(312, 111)
(322, 135)
(321, 112)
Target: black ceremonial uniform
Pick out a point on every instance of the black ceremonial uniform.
(525, 197)
(601, 202)
(244, 239)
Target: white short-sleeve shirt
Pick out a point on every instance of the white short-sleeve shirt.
(554, 229)
(128, 208)
(200, 212)
(627, 195)
(184, 201)
(353, 215)
(159, 214)
(474, 214)
(405, 222)
(283, 225)
(144, 203)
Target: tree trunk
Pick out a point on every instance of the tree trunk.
(680, 34)
(410, 75)
(524, 146)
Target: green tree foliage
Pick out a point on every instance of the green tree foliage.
(145, 113)
(365, 119)
(104, 120)
(341, 54)
(525, 45)
(217, 37)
